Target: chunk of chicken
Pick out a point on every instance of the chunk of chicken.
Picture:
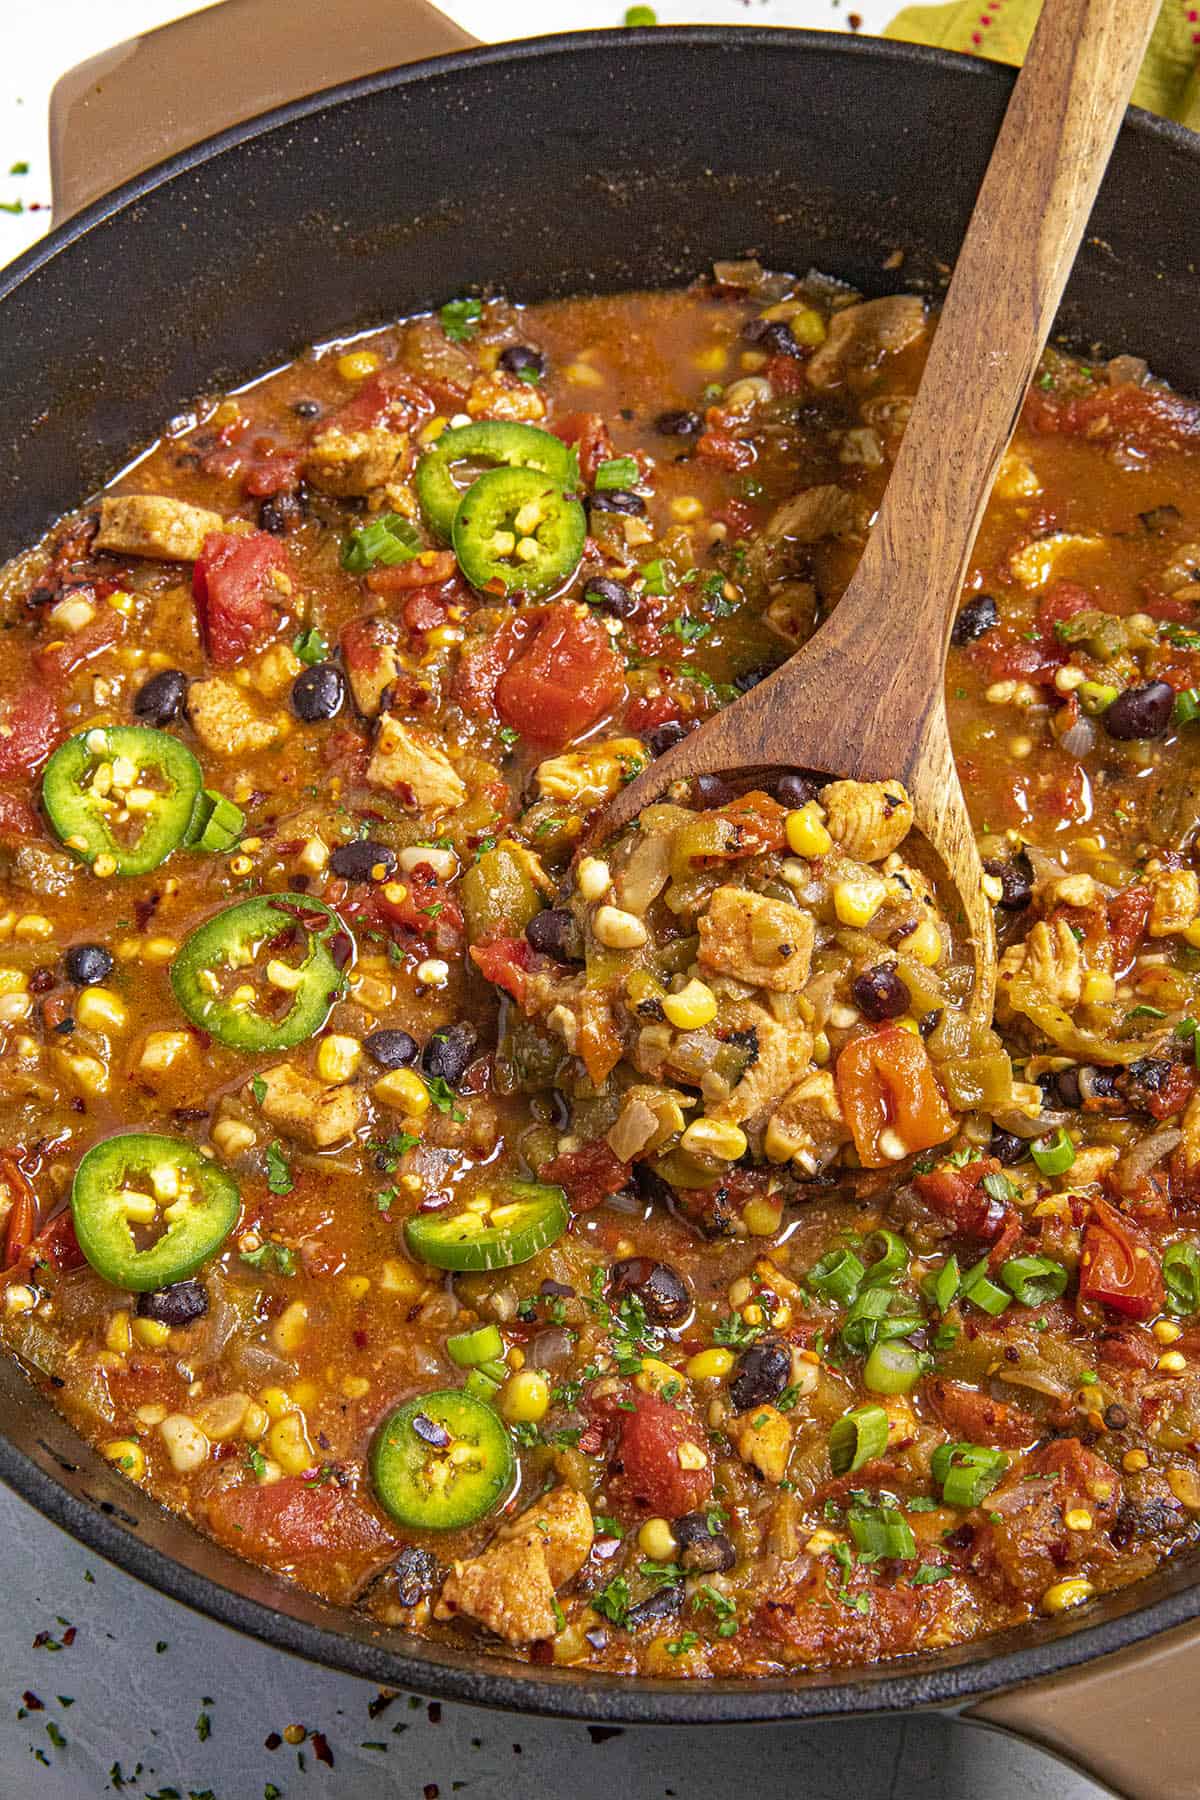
(305, 1109)
(493, 398)
(859, 336)
(1050, 958)
(414, 769)
(808, 1126)
(869, 819)
(371, 662)
(816, 513)
(766, 943)
(763, 1437)
(155, 525)
(591, 775)
(1037, 562)
(347, 464)
(782, 1054)
(511, 1587)
(1176, 902)
(225, 721)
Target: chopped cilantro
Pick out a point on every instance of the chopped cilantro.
(460, 319)
(279, 1173)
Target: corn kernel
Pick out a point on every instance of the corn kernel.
(583, 375)
(127, 1455)
(1166, 1331)
(654, 1376)
(404, 1090)
(151, 1333)
(186, 1444)
(710, 1365)
(714, 1137)
(116, 1332)
(805, 831)
(618, 930)
(288, 1443)
(433, 972)
(397, 1277)
(525, 1397)
(711, 361)
(276, 1401)
(691, 1007)
(338, 1058)
(691, 1456)
(593, 878)
(924, 944)
(657, 1541)
(294, 1734)
(686, 507)
(1078, 1518)
(255, 1422)
(354, 1387)
(164, 1049)
(761, 1216)
(231, 1137)
(356, 365)
(857, 902)
(305, 1394)
(35, 926)
(357, 1286)
(822, 1540)
(287, 1333)
(99, 1009)
(14, 1008)
(18, 1298)
(1098, 987)
(1134, 1461)
(1060, 1596)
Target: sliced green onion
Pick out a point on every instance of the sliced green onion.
(856, 1437)
(982, 1292)
(389, 540)
(481, 1386)
(468, 1348)
(1053, 1155)
(881, 1531)
(967, 1472)
(888, 1256)
(941, 1285)
(495, 1368)
(871, 1320)
(1033, 1280)
(310, 646)
(1187, 706)
(997, 1186)
(837, 1275)
(1181, 1276)
(893, 1368)
(617, 473)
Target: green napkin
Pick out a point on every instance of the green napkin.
(1170, 79)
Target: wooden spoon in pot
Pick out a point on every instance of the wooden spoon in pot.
(864, 697)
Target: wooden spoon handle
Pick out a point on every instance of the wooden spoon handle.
(1030, 215)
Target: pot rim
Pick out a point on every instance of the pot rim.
(966, 1672)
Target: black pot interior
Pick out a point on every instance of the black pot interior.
(567, 165)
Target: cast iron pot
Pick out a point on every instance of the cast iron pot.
(568, 164)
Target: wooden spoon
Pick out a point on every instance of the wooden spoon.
(864, 697)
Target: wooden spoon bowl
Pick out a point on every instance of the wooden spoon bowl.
(864, 698)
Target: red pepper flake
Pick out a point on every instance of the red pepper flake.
(31, 1702)
(272, 1741)
(320, 1748)
(431, 1790)
(434, 1712)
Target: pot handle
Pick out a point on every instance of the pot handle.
(154, 95)
(1128, 1720)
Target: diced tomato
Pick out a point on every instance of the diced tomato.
(293, 1520)
(1170, 609)
(563, 681)
(431, 569)
(737, 515)
(975, 1418)
(726, 452)
(644, 715)
(426, 608)
(885, 1080)
(1152, 418)
(240, 584)
(959, 1196)
(18, 821)
(590, 436)
(348, 753)
(22, 1210)
(428, 909)
(389, 398)
(1128, 916)
(57, 1243)
(1128, 1347)
(1118, 1268)
(786, 374)
(1026, 1543)
(506, 963)
(29, 730)
(1061, 601)
(648, 1448)
(484, 658)
(589, 1174)
(757, 823)
(276, 472)
(61, 657)
(1174, 1093)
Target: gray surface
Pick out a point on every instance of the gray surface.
(134, 1702)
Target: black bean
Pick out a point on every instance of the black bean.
(554, 933)
(280, 513)
(793, 789)
(1016, 880)
(667, 1603)
(703, 1550)
(618, 501)
(1115, 1417)
(1060, 1090)
(524, 360)
(363, 860)
(713, 790)
(392, 1049)
(1151, 1073)
(660, 1288)
(318, 693)
(671, 732)
(762, 1373)
(679, 424)
(610, 597)
(750, 678)
(449, 1052)
(86, 964)
(976, 616)
(879, 993)
(1098, 1084)
(175, 1305)
(1007, 1147)
(774, 335)
(417, 1574)
(306, 409)
(1140, 712)
(162, 698)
